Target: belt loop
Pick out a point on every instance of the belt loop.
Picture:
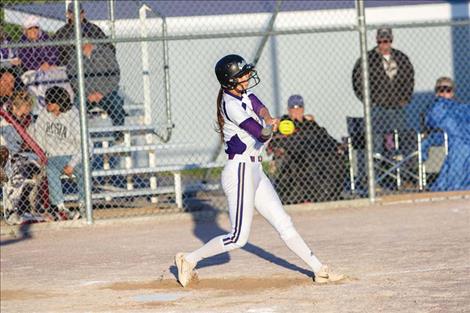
(260, 159)
(252, 158)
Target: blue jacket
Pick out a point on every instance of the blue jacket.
(454, 119)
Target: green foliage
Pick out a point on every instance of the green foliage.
(12, 30)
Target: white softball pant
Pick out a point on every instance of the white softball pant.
(246, 187)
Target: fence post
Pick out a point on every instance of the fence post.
(361, 21)
(147, 96)
(83, 113)
(112, 17)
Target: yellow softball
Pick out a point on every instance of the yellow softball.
(286, 127)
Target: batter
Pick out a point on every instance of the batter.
(245, 126)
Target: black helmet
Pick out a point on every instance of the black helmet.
(231, 67)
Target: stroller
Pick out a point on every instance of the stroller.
(21, 193)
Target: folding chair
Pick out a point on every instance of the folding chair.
(394, 164)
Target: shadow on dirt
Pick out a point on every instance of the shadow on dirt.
(24, 234)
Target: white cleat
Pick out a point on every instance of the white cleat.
(325, 275)
(185, 269)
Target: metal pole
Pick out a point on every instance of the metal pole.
(147, 95)
(361, 20)
(399, 158)
(269, 29)
(420, 163)
(351, 168)
(112, 17)
(83, 113)
(166, 68)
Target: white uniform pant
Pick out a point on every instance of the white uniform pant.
(247, 187)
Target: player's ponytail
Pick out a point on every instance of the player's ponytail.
(220, 117)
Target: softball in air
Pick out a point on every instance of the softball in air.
(286, 127)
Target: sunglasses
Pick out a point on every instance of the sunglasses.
(383, 41)
(443, 89)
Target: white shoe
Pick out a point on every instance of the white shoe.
(185, 269)
(13, 219)
(325, 275)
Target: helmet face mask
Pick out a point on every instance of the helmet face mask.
(230, 68)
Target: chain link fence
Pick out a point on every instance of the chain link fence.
(149, 107)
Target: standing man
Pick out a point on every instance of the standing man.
(89, 30)
(102, 72)
(391, 87)
(102, 75)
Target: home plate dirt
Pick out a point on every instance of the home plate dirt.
(407, 257)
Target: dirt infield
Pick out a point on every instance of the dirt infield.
(407, 257)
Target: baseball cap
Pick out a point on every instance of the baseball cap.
(295, 101)
(444, 81)
(384, 32)
(30, 22)
(70, 7)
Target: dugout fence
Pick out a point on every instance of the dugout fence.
(150, 139)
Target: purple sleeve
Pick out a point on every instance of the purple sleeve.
(253, 128)
(49, 53)
(257, 104)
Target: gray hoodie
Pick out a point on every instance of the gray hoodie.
(101, 71)
(58, 135)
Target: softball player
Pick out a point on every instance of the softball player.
(245, 126)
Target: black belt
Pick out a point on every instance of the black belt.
(252, 158)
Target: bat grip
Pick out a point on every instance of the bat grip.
(266, 132)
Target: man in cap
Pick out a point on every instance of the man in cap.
(307, 164)
(89, 30)
(40, 57)
(101, 69)
(391, 81)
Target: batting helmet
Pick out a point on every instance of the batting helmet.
(231, 67)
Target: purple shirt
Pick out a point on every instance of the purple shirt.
(33, 57)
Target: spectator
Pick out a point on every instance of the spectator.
(22, 167)
(308, 163)
(40, 57)
(8, 56)
(89, 30)
(391, 87)
(4, 153)
(9, 83)
(102, 75)
(453, 118)
(57, 131)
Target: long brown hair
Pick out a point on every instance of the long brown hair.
(220, 116)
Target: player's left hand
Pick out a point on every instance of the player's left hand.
(274, 122)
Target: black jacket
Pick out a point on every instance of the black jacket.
(385, 92)
(89, 30)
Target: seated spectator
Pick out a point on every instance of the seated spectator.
(89, 30)
(453, 118)
(8, 56)
(36, 58)
(102, 75)
(22, 167)
(309, 163)
(9, 83)
(57, 131)
(4, 153)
